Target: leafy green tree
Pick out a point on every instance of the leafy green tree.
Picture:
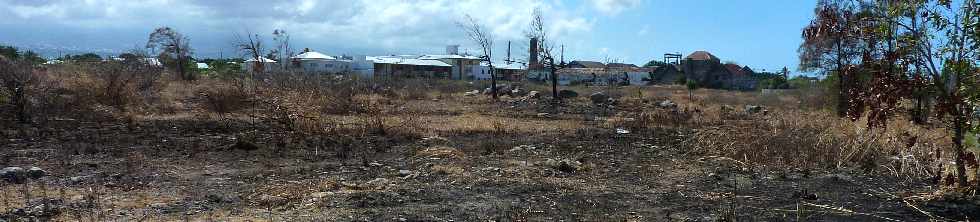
(691, 86)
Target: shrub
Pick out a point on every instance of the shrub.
(224, 97)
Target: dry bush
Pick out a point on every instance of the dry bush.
(122, 84)
(815, 140)
(227, 96)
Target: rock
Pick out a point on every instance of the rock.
(78, 179)
(543, 115)
(36, 173)
(678, 216)
(404, 173)
(751, 109)
(522, 148)
(13, 174)
(533, 95)
(321, 195)
(564, 165)
(599, 98)
(472, 93)
(622, 131)
(517, 92)
(378, 183)
(667, 104)
(565, 94)
(375, 164)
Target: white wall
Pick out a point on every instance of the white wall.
(326, 66)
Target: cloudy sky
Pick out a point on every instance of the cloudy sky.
(763, 34)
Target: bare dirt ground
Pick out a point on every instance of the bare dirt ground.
(446, 159)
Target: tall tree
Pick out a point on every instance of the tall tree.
(251, 46)
(829, 45)
(283, 49)
(908, 44)
(546, 49)
(175, 45)
(484, 39)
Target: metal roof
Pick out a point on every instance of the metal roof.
(313, 55)
(448, 57)
(404, 61)
(263, 59)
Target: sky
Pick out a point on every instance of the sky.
(762, 34)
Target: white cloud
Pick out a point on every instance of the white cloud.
(396, 26)
(614, 7)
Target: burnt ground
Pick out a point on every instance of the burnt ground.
(234, 169)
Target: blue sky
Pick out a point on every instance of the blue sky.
(763, 34)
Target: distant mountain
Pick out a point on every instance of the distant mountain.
(53, 51)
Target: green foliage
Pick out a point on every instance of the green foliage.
(13, 53)
(682, 80)
(769, 80)
(87, 57)
(691, 85)
(223, 68)
(653, 63)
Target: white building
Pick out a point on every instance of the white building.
(267, 64)
(463, 65)
(202, 65)
(315, 62)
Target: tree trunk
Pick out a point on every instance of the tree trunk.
(842, 102)
(554, 83)
(180, 68)
(20, 101)
(493, 82)
(958, 130)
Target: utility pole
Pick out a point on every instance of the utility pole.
(562, 54)
(508, 53)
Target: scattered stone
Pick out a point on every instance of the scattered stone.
(78, 179)
(492, 169)
(404, 173)
(622, 131)
(522, 148)
(565, 94)
(599, 98)
(321, 195)
(375, 164)
(544, 115)
(667, 104)
(472, 93)
(565, 165)
(13, 174)
(751, 109)
(533, 95)
(36, 173)
(378, 184)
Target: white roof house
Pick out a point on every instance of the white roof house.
(152, 61)
(403, 61)
(202, 65)
(263, 59)
(313, 55)
(428, 57)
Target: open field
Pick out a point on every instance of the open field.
(326, 149)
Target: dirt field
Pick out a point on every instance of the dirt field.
(449, 157)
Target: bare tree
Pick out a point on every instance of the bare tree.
(483, 38)
(546, 49)
(251, 46)
(174, 45)
(282, 47)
